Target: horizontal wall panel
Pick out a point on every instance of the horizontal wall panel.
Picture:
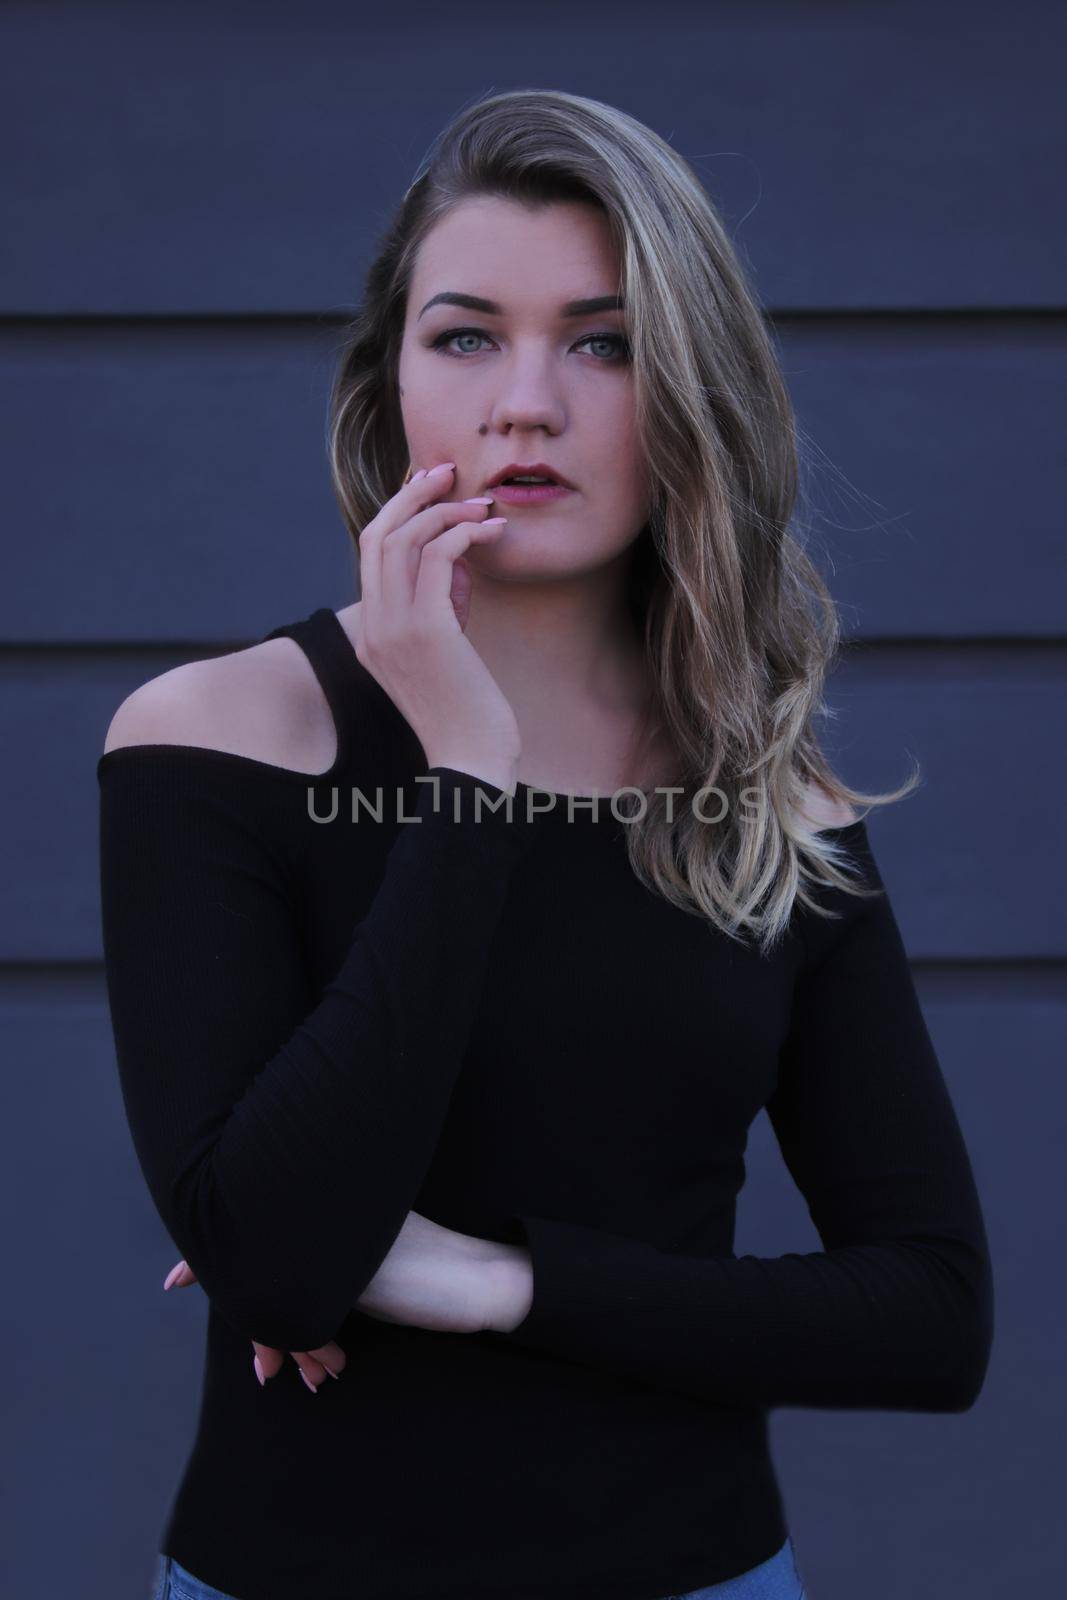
(936, 464)
(91, 1340)
(221, 159)
(974, 859)
(171, 481)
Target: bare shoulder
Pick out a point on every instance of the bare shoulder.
(822, 811)
(263, 702)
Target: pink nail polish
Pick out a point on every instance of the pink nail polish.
(172, 1276)
(330, 1370)
(259, 1370)
(480, 500)
(312, 1386)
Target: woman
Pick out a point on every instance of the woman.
(441, 1081)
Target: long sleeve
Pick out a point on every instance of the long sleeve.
(896, 1312)
(283, 1133)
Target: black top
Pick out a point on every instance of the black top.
(322, 1025)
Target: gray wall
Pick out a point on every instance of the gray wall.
(192, 201)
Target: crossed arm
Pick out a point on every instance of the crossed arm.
(284, 1135)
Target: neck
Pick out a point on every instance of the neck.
(572, 665)
(569, 643)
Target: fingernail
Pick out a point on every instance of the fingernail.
(172, 1276)
(330, 1370)
(480, 500)
(259, 1370)
(442, 466)
(491, 522)
(415, 476)
(312, 1386)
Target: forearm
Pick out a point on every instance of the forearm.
(509, 1287)
(285, 1124)
(898, 1324)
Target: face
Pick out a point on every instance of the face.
(551, 387)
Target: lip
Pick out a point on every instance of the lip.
(536, 469)
(529, 494)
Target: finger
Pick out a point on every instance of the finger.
(402, 548)
(460, 592)
(408, 499)
(332, 1357)
(267, 1361)
(434, 587)
(313, 1370)
(180, 1276)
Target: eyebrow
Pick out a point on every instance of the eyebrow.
(573, 308)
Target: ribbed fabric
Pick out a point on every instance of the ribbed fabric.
(321, 1025)
(896, 1313)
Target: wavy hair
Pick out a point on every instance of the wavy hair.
(740, 630)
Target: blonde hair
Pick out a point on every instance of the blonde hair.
(739, 628)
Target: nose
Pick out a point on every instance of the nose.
(527, 398)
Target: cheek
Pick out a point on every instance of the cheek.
(419, 381)
(631, 475)
(631, 483)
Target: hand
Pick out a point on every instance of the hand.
(410, 623)
(313, 1364)
(433, 1277)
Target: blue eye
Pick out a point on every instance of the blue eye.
(620, 343)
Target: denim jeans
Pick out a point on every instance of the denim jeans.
(173, 1582)
(776, 1579)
